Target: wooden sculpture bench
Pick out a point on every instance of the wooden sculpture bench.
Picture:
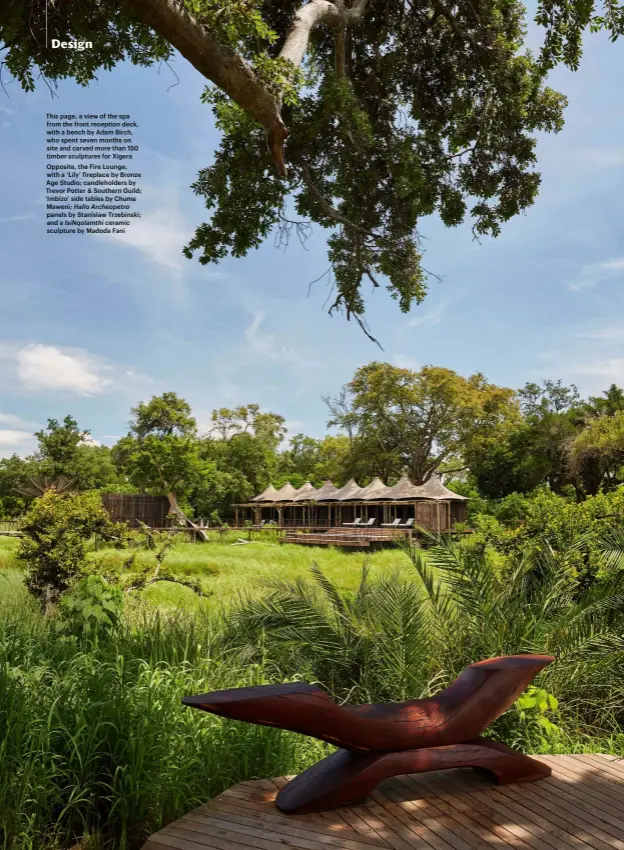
(380, 741)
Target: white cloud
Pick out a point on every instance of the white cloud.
(90, 441)
(593, 273)
(159, 236)
(46, 367)
(15, 421)
(15, 441)
(12, 437)
(404, 361)
(267, 346)
(431, 317)
(39, 367)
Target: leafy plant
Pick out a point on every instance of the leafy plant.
(56, 531)
(92, 608)
(535, 706)
(402, 636)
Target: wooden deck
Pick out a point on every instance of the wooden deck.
(581, 806)
(351, 536)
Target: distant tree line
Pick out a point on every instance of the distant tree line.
(489, 441)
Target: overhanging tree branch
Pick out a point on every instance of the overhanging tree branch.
(227, 69)
(314, 13)
(220, 64)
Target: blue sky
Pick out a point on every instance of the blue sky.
(90, 326)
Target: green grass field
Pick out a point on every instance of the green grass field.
(225, 570)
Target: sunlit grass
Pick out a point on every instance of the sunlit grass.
(94, 739)
(225, 569)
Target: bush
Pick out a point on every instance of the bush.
(92, 608)
(56, 531)
(572, 530)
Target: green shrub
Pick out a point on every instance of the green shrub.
(572, 530)
(92, 608)
(56, 531)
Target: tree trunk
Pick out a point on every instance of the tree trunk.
(186, 522)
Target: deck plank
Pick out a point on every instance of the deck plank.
(580, 807)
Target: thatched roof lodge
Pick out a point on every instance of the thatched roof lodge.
(431, 505)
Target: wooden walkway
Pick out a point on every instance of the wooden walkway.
(351, 536)
(580, 807)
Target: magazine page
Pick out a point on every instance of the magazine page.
(311, 424)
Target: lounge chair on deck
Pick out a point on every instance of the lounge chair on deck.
(358, 521)
(370, 522)
(394, 524)
(408, 524)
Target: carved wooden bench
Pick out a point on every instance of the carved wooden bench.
(380, 741)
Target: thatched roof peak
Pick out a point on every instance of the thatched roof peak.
(375, 490)
(435, 489)
(267, 495)
(305, 493)
(327, 492)
(285, 493)
(351, 490)
(404, 489)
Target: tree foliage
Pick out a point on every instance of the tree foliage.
(160, 454)
(419, 423)
(534, 452)
(433, 107)
(494, 444)
(597, 452)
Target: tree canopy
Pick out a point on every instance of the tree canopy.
(419, 423)
(432, 106)
(160, 453)
(494, 444)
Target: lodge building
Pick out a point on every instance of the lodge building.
(431, 505)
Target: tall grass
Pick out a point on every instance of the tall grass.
(94, 740)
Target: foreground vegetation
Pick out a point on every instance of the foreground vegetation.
(96, 747)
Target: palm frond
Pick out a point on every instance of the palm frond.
(611, 547)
